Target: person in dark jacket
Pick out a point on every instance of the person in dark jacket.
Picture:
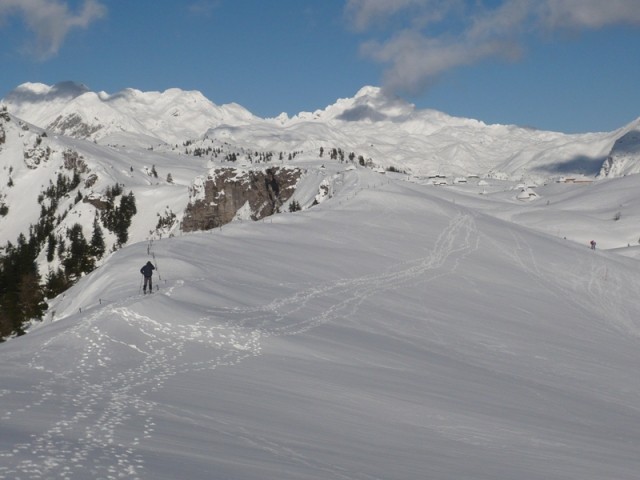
(147, 271)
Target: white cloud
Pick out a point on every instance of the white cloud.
(590, 13)
(365, 13)
(426, 38)
(203, 8)
(415, 61)
(50, 21)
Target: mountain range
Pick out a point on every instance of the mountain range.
(122, 137)
(389, 131)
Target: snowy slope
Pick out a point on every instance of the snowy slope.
(396, 330)
(393, 133)
(607, 210)
(390, 332)
(32, 159)
(624, 158)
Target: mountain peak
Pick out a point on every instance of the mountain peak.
(72, 109)
(370, 104)
(34, 92)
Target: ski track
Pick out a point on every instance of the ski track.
(85, 441)
(606, 290)
(286, 316)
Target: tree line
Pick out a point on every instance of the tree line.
(23, 292)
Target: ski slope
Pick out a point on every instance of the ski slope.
(395, 331)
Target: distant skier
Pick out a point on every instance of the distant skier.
(593, 244)
(147, 271)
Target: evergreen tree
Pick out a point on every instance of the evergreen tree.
(62, 248)
(51, 247)
(79, 259)
(124, 214)
(294, 206)
(56, 283)
(97, 239)
(31, 297)
(21, 297)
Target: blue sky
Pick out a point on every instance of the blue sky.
(565, 65)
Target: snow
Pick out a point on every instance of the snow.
(173, 115)
(385, 129)
(396, 330)
(389, 332)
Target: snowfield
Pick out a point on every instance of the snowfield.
(397, 330)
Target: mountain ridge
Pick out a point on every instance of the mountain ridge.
(371, 123)
(72, 109)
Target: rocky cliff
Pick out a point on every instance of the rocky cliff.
(228, 193)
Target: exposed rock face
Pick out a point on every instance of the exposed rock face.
(74, 126)
(4, 118)
(35, 155)
(98, 201)
(229, 192)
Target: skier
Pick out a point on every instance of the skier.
(147, 271)
(593, 244)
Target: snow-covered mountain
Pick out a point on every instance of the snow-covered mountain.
(388, 131)
(165, 147)
(624, 157)
(71, 109)
(389, 327)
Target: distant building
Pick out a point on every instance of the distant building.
(575, 179)
(527, 194)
